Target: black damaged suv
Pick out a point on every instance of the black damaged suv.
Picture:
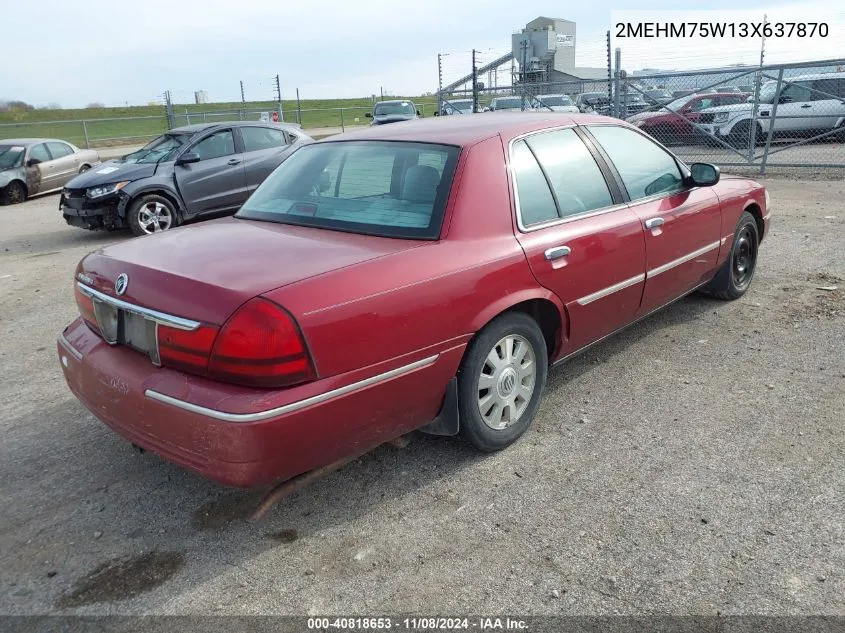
(185, 173)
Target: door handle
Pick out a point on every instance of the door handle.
(653, 223)
(234, 161)
(806, 105)
(557, 252)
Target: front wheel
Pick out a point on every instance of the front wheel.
(152, 214)
(735, 275)
(501, 381)
(15, 193)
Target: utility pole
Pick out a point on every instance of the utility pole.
(474, 83)
(609, 70)
(439, 84)
(278, 87)
(752, 132)
(616, 77)
(243, 99)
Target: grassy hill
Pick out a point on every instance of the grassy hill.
(133, 124)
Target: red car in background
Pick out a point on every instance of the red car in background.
(672, 122)
(415, 276)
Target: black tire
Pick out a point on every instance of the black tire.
(143, 213)
(521, 329)
(739, 134)
(14, 193)
(736, 274)
(84, 168)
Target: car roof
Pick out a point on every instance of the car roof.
(26, 142)
(466, 131)
(552, 94)
(836, 75)
(199, 127)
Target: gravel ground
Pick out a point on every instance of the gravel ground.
(691, 465)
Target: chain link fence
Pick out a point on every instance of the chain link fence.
(757, 117)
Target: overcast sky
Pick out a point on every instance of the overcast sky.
(74, 53)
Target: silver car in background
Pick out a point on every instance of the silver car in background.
(30, 166)
(555, 103)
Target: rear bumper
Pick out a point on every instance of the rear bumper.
(248, 437)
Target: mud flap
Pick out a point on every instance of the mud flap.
(447, 421)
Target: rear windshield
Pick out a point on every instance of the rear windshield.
(386, 109)
(554, 101)
(387, 188)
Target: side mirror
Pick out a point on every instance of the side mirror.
(418, 113)
(704, 174)
(369, 115)
(187, 158)
(32, 162)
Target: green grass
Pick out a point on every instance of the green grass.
(137, 124)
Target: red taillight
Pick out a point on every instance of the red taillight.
(260, 345)
(86, 308)
(186, 350)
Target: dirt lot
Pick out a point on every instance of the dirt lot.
(693, 464)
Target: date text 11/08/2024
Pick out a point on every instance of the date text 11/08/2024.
(416, 624)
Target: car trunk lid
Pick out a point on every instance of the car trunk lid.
(205, 272)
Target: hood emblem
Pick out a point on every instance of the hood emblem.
(120, 283)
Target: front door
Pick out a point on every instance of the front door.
(40, 170)
(217, 182)
(581, 241)
(681, 225)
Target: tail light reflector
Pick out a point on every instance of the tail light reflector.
(260, 346)
(186, 350)
(86, 308)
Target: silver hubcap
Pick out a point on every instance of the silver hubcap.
(506, 382)
(154, 217)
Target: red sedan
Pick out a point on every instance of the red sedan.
(415, 276)
(673, 122)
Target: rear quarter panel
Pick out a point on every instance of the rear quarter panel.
(431, 297)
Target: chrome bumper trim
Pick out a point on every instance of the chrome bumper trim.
(683, 260)
(293, 406)
(610, 290)
(66, 344)
(154, 315)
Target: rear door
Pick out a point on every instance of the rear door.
(66, 162)
(828, 100)
(681, 224)
(264, 148)
(581, 241)
(217, 182)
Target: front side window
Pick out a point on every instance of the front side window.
(39, 153)
(58, 150)
(386, 188)
(573, 173)
(259, 138)
(701, 104)
(646, 168)
(797, 92)
(217, 145)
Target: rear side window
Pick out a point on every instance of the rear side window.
(536, 204)
(259, 138)
(576, 179)
(828, 89)
(388, 188)
(646, 168)
(58, 150)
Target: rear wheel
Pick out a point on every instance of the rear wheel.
(740, 133)
(501, 381)
(152, 214)
(84, 168)
(735, 275)
(15, 193)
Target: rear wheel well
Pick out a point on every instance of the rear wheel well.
(755, 211)
(547, 316)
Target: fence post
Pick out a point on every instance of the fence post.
(342, 128)
(616, 78)
(752, 132)
(298, 108)
(771, 124)
(85, 133)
